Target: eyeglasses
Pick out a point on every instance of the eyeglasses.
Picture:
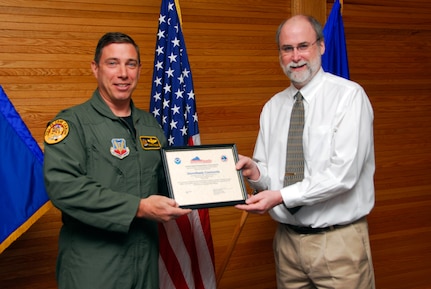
(301, 48)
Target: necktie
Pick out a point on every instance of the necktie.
(295, 154)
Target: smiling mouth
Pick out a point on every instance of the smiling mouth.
(297, 66)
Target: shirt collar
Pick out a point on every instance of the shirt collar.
(308, 90)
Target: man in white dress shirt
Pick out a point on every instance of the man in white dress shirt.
(325, 244)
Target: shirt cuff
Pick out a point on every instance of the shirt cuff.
(291, 196)
(260, 184)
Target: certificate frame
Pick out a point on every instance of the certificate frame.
(204, 176)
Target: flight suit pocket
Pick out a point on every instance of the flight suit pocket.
(104, 170)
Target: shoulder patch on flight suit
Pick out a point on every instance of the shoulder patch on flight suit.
(56, 131)
(150, 142)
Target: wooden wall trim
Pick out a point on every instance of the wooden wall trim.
(315, 8)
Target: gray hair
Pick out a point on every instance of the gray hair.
(317, 27)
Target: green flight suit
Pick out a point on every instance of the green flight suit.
(96, 172)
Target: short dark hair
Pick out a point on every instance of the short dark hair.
(114, 37)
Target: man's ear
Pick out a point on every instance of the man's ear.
(322, 47)
(94, 68)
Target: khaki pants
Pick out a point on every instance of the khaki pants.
(338, 259)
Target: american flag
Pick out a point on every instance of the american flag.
(186, 249)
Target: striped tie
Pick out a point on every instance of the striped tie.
(295, 154)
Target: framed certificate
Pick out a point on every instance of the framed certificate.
(204, 176)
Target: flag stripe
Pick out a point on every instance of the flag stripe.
(166, 282)
(205, 257)
(186, 231)
(167, 251)
(206, 227)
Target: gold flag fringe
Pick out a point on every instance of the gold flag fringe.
(25, 226)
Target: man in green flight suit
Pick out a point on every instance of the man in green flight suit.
(103, 171)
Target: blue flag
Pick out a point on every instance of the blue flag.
(334, 60)
(23, 198)
(186, 248)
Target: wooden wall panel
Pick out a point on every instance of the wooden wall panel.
(232, 51)
(388, 44)
(45, 53)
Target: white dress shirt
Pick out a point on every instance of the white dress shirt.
(338, 186)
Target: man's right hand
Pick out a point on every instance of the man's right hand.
(160, 209)
(249, 168)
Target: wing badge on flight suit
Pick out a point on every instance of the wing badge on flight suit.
(150, 142)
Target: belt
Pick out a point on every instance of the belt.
(310, 230)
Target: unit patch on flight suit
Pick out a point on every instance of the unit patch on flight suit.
(150, 142)
(119, 148)
(56, 131)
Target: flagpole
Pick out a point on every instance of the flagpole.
(177, 4)
(231, 247)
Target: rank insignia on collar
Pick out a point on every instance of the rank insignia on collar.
(119, 148)
(150, 142)
(56, 131)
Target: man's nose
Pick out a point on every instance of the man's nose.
(296, 56)
(122, 71)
